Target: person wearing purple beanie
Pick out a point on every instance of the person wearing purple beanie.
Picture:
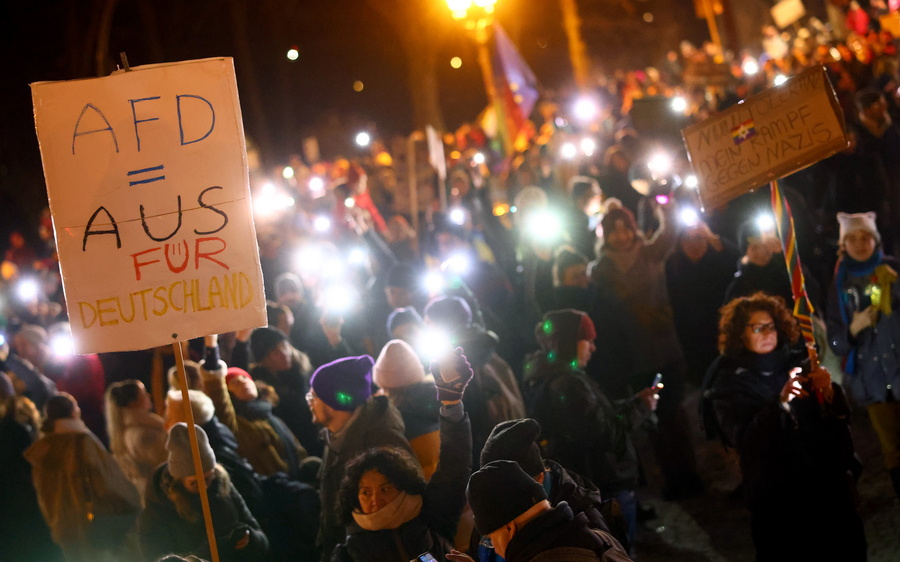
(341, 401)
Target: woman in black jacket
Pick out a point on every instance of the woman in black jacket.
(792, 436)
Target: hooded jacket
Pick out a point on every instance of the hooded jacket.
(143, 445)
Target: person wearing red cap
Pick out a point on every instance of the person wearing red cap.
(581, 428)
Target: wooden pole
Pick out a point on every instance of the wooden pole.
(195, 452)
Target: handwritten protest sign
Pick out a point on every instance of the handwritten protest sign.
(147, 179)
(767, 136)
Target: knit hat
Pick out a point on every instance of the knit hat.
(181, 462)
(264, 340)
(500, 492)
(397, 366)
(344, 384)
(233, 372)
(201, 405)
(452, 313)
(401, 316)
(857, 221)
(515, 440)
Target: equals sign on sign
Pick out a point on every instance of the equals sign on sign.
(148, 171)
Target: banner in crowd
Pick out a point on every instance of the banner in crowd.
(147, 179)
(767, 136)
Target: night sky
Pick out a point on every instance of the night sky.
(340, 42)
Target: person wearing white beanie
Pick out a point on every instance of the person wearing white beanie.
(864, 326)
(399, 373)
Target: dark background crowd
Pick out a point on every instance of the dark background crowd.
(584, 284)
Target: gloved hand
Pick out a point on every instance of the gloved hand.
(451, 375)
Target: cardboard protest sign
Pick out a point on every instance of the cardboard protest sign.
(767, 136)
(787, 12)
(147, 178)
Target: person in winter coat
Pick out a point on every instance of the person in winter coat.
(263, 439)
(354, 421)
(790, 426)
(137, 436)
(632, 300)
(494, 395)
(513, 512)
(390, 511)
(399, 373)
(517, 440)
(88, 502)
(864, 327)
(287, 370)
(172, 520)
(580, 427)
(24, 534)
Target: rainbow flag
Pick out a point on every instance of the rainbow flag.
(784, 222)
(744, 131)
(517, 92)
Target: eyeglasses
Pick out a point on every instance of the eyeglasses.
(310, 397)
(762, 328)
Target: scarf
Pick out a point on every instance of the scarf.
(260, 409)
(848, 266)
(403, 508)
(254, 409)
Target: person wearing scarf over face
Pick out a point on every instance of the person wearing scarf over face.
(790, 426)
(390, 512)
(864, 327)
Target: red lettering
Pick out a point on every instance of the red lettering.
(207, 255)
(138, 265)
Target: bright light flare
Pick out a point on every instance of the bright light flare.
(287, 173)
(568, 151)
(586, 109)
(434, 343)
(339, 300)
(545, 225)
(456, 62)
(691, 181)
(322, 224)
(363, 139)
(478, 158)
(309, 258)
(316, 186)
(458, 216)
(293, 54)
(270, 200)
(457, 263)
(357, 256)
(61, 345)
(659, 164)
(588, 146)
(349, 202)
(27, 290)
(679, 104)
(662, 199)
(779, 80)
(749, 67)
(433, 282)
(689, 217)
(765, 223)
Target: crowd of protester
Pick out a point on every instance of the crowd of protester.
(475, 389)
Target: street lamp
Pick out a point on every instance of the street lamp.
(478, 17)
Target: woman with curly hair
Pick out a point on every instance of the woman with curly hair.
(789, 424)
(390, 512)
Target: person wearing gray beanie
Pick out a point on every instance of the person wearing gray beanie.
(173, 522)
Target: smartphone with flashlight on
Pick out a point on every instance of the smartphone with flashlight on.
(426, 557)
(657, 381)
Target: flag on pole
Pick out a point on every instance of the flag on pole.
(516, 89)
(784, 222)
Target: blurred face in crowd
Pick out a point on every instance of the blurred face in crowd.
(621, 237)
(408, 332)
(375, 491)
(859, 245)
(191, 484)
(285, 321)
(694, 244)
(290, 298)
(877, 111)
(398, 297)
(760, 335)
(279, 359)
(759, 251)
(243, 388)
(321, 413)
(575, 276)
(585, 348)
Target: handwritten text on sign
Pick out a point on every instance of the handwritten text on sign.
(767, 136)
(147, 179)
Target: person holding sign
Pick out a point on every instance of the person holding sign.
(864, 327)
(796, 453)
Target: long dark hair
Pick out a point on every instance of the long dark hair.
(734, 316)
(394, 463)
(58, 407)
